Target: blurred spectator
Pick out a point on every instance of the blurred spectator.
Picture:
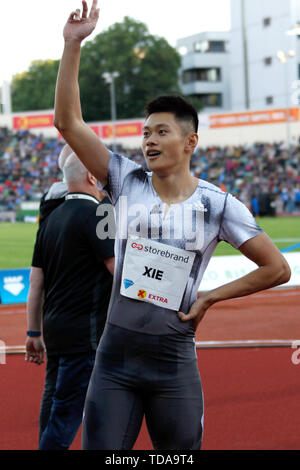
(265, 177)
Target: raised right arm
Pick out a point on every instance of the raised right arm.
(67, 115)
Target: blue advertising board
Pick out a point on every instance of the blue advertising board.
(14, 286)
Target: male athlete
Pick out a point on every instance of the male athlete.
(168, 225)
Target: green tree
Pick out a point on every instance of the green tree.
(34, 89)
(147, 66)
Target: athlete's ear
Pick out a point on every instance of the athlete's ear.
(191, 142)
(91, 178)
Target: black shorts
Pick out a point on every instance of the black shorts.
(135, 375)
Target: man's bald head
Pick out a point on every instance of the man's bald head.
(64, 154)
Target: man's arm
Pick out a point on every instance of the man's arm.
(34, 345)
(272, 271)
(110, 264)
(67, 115)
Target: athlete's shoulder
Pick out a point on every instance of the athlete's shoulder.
(211, 188)
(140, 174)
(123, 161)
(132, 168)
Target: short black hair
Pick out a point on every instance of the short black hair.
(176, 104)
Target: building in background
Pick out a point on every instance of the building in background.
(5, 98)
(205, 71)
(254, 66)
(264, 59)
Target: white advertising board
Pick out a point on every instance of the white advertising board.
(224, 269)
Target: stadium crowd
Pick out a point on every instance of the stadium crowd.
(264, 176)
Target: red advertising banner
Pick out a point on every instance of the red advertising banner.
(126, 129)
(32, 121)
(135, 128)
(271, 116)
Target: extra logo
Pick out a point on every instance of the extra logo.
(137, 245)
(142, 294)
(159, 298)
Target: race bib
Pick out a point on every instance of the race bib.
(156, 273)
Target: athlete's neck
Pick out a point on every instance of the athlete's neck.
(173, 189)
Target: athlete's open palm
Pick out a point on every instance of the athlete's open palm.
(79, 27)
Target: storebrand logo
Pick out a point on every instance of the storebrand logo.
(136, 245)
(163, 253)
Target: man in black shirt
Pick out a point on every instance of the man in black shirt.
(71, 280)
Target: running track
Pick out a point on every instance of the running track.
(252, 393)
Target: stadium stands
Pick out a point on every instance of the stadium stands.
(266, 177)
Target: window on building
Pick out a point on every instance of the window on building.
(268, 60)
(267, 22)
(209, 100)
(269, 100)
(216, 46)
(211, 74)
(210, 46)
(201, 46)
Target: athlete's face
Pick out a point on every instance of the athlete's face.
(164, 143)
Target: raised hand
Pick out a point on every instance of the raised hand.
(79, 27)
